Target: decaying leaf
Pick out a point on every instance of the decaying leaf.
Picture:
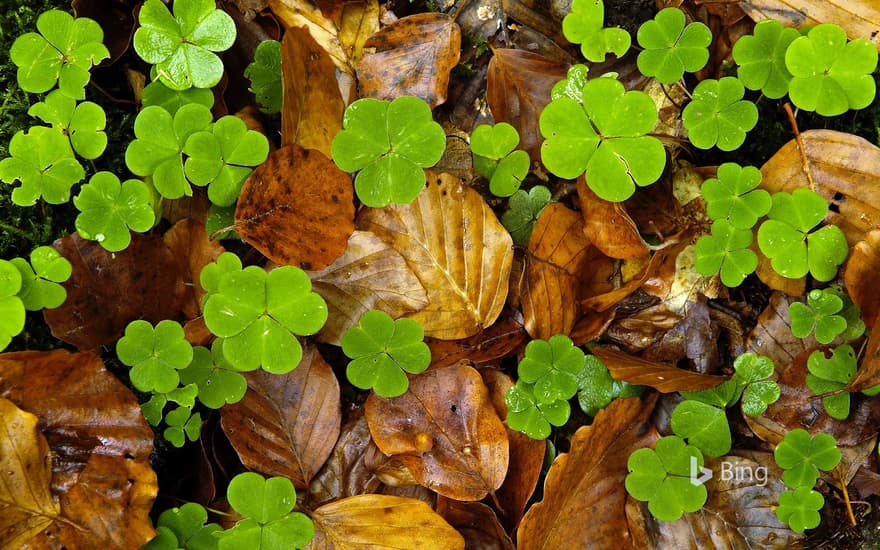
(412, 56)
(556, 260)
(370, 274)
(859, 18)
(861, 276)
(100, 446)
(108, 290)
(445, 430)
(381, 521)
(457, 248)
(608, 226)
(297, 208)
(518, 88)
(476, 522)
(497, 341)
(345, 473)
(588, 482)
(663, 377)
(193, 250)
(312, 112)
(287, 424)
(772, 335)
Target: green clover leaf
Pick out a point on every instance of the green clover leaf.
(522, 212)
(64, 51)
(390, 143)
(181, 46)
(495, 158)
(82, 123)
(108, 209)
(265, 76)
(527, 415)
(855, 326)
(184, 527)
(732, 196)
(270, 522)
(157, 150)
(552, 367)
(761, 58)
(830, 75)
(260, 314)
(185, 396)
(584, 25)
(43, 162)
(596, 388)
(752, 373)
(155, 354)
(217, 381)
(830, 374)
(380, 349)
(718, 114)
(160, 95)
(210, 276)
(704, 426)
(802, 456)
(662, 477)
(182, 425)
(40, 288)
(670, 48)
(726, 250)
(224, 157)
(799, 509)
(572, 86)
(604, 137)
(11, 306)
(819, 313)
(786, 239)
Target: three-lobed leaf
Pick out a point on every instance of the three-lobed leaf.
(704, 426)
(160, 95)
(799, 509)
(761, 58)
(528, 415)
(82, 123)
(670, 47)
(495, 158)
(155, 354)
(820, 313)
(829, 374)
(718, 114)
(584, 25)
(552, 367)
(184, 527)
(732, 195)
(11, 306)
(802, 456)
(108, 209)
(726, 250)
(265, 76)
(40, 288)
(217, 381)
(522, 212)
(42, 160)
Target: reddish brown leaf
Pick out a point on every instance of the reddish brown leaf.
(557, 258)
(772, 335)
(412, 56)
(445, 430)
(193, 250)
(663, 377)
(312, 113)
(861, 276)
(589, 480)
(108, 290)
(370, 274)
(287, 424)
(297, 208)
(608, 226)
(100, 445)
(606, 300)
(517, 90)
(476, 522)
(868, 374)
(495, 342)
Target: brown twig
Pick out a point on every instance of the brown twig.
(800, 143)
(849, 511)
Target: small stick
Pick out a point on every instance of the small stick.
(849, 511)
(797, 136)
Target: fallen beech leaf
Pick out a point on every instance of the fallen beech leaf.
(476, 522)
(772, 335)
(663, 377)
(868, 374)
(369, 275)
(193, 250)
(312, 113)
(606, 300)
(345, 473)
(861, 276)
(286, 424)
(639, 331)
(445, 430)
(381, 521)
(518, 88)
(100, 446)
(26, 503)
(497, 341)
(457, 248)
(557, 258)
(297, 208)
(195, 207)
(106, 291)
(859, 18)
(608, 226)
(412, 56)
(589, 480)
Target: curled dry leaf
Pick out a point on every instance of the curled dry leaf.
(297, 208)
(861, 276)
(860, 18)
(663, 377)
(476, 522)
(370, 274)
(312, 113)
(381, 521)
(557, 258)
(608, 226)
(100, 446)
(452, 241)
(589, 479)
(108, 290)
(287, 424)
(518, 88)
(772, 335)
(606, 300)
(193, 250)
(868, 374)
(445, 430)
(412, 56)
(497, 341)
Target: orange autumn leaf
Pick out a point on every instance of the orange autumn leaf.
(663, 377)
(608, 226)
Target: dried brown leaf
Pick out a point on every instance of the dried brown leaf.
(772, 335)
(345, 473)
(608, 226)
(445, 430)
(663, 377)
(861, 276)
(497, 341)
(452, 241)
(476, 522)
(287, 424)
(193, 250)
(860, 18)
